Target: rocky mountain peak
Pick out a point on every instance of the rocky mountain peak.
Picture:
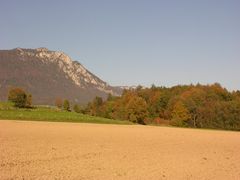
(74, 70)
(56, 63)
(42, 49)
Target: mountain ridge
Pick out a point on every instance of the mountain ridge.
(54, 71)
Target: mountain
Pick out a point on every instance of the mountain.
(48, 75)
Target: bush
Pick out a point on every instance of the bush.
(66, 105)
(76, 108)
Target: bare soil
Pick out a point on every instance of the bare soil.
(48, 150)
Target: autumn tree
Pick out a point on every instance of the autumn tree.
(137, 110)
(194, 98)
(180, 114)
(94, 107)
(220, 115)
(120, 110)
(59, 103)
(108, 109)
(29, 101)
(18, 96)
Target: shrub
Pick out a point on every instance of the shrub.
(76, 108)
(66, 105)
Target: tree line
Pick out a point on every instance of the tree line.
(21, 99)
(199, 106)
(65, 105)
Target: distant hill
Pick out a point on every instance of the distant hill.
(48, 75)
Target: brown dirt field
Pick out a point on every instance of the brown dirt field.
(47, 150)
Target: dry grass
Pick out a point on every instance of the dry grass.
(48, 150)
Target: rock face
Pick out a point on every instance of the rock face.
(48, 75)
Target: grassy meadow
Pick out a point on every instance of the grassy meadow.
(9, 112)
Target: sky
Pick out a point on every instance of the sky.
(132, 42)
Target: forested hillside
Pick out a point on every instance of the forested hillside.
(200, 106)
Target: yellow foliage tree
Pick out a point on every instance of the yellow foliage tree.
(137, 110)
(180, 114)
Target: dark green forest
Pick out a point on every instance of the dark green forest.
(198, 106)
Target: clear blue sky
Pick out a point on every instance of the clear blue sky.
(131, 42)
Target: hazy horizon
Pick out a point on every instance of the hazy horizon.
(165, 43)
